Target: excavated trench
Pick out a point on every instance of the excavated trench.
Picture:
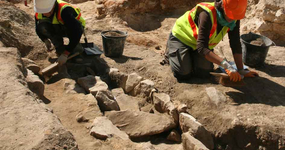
(237, 137)
(72, 104)
(91, 67)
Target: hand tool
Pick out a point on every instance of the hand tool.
(224, 80)
(51, 69)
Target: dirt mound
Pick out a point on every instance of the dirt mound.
(15, 26)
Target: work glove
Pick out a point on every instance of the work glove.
(231, 71)
(48, 44)
(62, 58)
(247, 73)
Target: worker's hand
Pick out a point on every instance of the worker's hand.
(48, 44)
(247, 73)
(62, 59)
(234, 75)
(231, 71)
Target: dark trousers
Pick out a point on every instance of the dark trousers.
(185, 61)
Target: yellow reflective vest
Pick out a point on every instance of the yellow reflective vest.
(57, 15)
(186, 30)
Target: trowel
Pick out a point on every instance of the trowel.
(224, 80)
(90, 48)
(51, 69)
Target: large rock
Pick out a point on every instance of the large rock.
(196, 129)
(140, 124)
(35, 83)
(92, 84)
(163, 104)
(127, 102)
(190, 143)
(102, 128)
(106, 101)
(19, 23)
(215, 95)
(143, 88)
(99, 86)
(87, 82)
(118, 77)
(93, 110)
(133, 80)
(25, 123)
(31, 65)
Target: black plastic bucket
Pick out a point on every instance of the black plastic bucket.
(254, 55)
(113, 42)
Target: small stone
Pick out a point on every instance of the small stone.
(158, 47)
(182, 108)
(81, 118)
(174, 136)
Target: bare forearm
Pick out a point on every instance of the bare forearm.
(238, 61)
(212, 57)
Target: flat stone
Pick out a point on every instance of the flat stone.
(215, 95)
(140, 124)
(127, 102)
(103, 128)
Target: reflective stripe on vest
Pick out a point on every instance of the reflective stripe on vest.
(57, 16)
(186, 30)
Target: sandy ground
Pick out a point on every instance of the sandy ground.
(257, 107)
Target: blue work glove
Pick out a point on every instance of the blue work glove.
(231, 71)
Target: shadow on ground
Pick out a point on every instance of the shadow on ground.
(272, 70)
(261, 91)
(124, 59)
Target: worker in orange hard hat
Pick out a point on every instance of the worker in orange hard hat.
(56, 19)
(196, 33)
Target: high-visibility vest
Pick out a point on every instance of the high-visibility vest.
(186, 30)
(57, 15)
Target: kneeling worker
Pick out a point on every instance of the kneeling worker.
(56, 19)
(198, 31)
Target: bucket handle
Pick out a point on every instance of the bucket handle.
(85, 38)
(125, 32)
(273, 43)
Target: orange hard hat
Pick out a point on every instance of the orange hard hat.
(235, 9)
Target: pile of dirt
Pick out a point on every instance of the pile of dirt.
(257, 42)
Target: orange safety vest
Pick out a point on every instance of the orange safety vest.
(57, 15)
(186, 30)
